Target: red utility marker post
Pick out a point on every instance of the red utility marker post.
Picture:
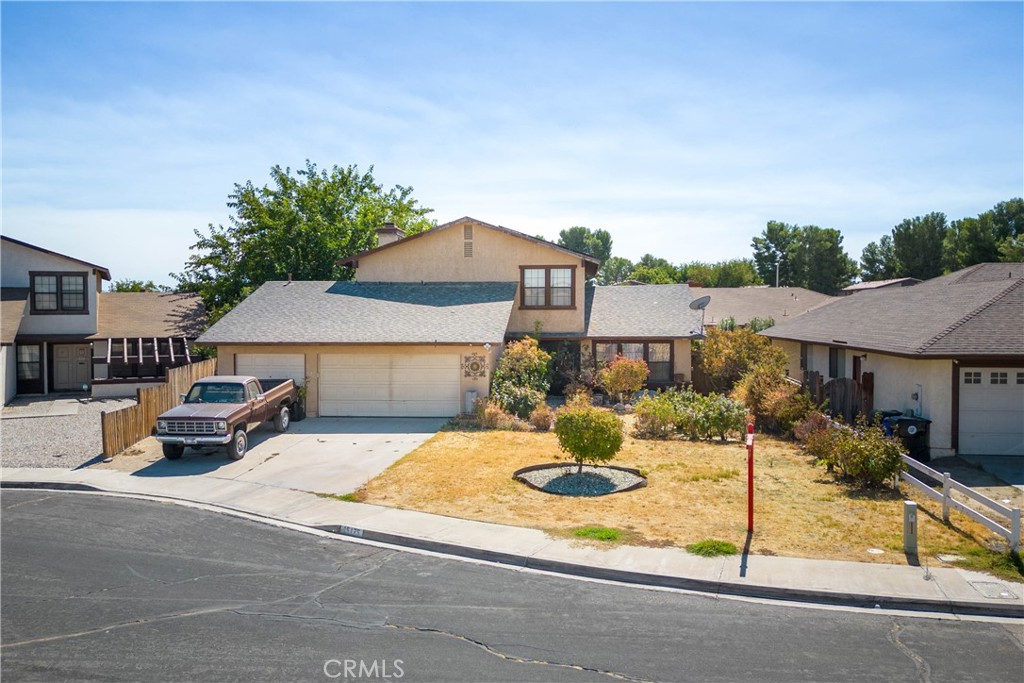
(750, 477)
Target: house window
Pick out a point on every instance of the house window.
(59, 293)
(1020, 378)
(836, 362)
(657, 355)
(997, 378)
(972, 377)
(548, 287)
(804, 351)
(28, 362)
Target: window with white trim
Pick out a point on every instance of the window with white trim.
(997, 378)
(972, 377)
(548, 287)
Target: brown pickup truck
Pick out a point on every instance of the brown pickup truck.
(220, 410)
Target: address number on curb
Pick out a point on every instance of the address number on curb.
(350, 531)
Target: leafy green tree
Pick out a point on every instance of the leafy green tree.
(732, 273)
(128, 285)
(615, 269)
(1011, 250)
(623, 377)
(596, 243)
(776, 245)
(917, 245)
(653, 275)
(819, 262)
(300, 225)
(969, 241)
(878, 261)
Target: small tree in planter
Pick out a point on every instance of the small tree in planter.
(623, 376)
(588, 434)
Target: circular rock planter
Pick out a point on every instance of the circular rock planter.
(564, 479)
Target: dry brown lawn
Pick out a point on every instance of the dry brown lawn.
(696, 491)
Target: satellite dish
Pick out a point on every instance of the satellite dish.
(701, 303)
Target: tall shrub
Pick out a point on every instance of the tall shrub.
(623, 376)
(522, 379)
(728, 355)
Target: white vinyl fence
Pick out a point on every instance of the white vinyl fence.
(1011, 533)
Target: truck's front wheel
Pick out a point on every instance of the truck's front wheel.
(239, 444)
(282, 419)
(173, 451)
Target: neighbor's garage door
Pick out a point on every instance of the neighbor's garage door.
(992, 411)
(389, 385)
(272, 365)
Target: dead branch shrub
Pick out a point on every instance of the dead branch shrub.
(491, 416)
(542, 417)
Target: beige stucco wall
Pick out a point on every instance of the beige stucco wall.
(439, 257)
(682, 359)
(792, 350)
(896, 380)
(17, 261)
(226, 362)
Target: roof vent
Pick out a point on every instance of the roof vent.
(467, 249)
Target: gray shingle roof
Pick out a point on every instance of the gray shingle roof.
(149, 314)
(642, 312)
(968, 313)
(744, 303)
(368, 313)
(13, 301)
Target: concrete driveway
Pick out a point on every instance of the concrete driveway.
(323, 455)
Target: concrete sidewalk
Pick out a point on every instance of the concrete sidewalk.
(938, 589)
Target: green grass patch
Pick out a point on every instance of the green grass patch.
(713, 475)
(354, 497)
(1006, 565)
(709, 547)
(598, 533)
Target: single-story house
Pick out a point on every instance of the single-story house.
(419, 331)
(950, 349)
(62, 333)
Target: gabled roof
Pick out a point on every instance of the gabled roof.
(149, 314)
(351, 260)
(13, 301)
(104, 273)
(972, 312)
(745, 303)
(652, 311)
(318, 312)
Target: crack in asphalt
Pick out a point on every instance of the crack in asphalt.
(924, 670)
(514, 658)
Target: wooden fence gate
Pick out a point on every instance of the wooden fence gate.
(846, 397)
(125, 427)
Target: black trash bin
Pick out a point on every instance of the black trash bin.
(913, 431)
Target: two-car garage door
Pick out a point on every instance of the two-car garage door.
(991, 411)
(389, 384)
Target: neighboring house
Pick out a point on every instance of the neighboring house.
(61, 333)
(743, 304)
(950, 349)
(420, 330)
(879, 284)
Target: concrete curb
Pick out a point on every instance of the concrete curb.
(715, 587)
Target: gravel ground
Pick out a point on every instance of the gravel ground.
(64, 441)
(593, 481)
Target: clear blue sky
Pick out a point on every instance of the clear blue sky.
(681, 128)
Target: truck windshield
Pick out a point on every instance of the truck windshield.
(215, 392)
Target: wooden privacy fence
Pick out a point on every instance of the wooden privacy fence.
(122, 428)
(846, 397)
(1011, 533)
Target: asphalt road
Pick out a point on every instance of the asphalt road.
(111, 589)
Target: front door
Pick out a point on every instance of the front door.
(71, 366)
